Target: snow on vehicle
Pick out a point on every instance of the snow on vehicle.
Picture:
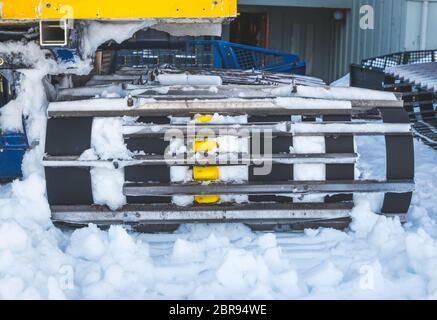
(163, 146)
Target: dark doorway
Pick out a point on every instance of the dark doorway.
(250, 29)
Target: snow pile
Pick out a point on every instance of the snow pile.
(107, 187)
(377, 258)
(30, 103)
(107, 143)
(31, 99)
(347, 93)
(107, 139)
(97, 33)
(342, 82)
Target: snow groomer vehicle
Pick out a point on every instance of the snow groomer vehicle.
(197, 131)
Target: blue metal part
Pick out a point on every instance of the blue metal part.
(229, 55)
(64, 55)
(12, 149)
(216, 54)
(13, 145)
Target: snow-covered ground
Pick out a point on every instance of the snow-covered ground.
(376, 258)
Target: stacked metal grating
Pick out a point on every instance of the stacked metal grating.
(418, 84)
(412, 74)
(204, 54)
(278, 198)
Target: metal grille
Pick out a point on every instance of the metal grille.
(254, 60)
(193, 56)
(395, 59)
(212, 54)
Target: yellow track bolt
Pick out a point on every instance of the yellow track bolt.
(206, 199)
(205, 173)
(203, 118)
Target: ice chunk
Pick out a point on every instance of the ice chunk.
(182, 201)
(107, 187)
(180, 174)
(88, 243)
(233, 173)
(107, 139)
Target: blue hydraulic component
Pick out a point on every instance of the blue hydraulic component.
(13, 145)
(229, 55)
(216, 54)
(12, 149)
(64, 55)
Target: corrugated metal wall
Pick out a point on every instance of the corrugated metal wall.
(387, 36)
(354, 44)
(329, 46)
(414, 23)
(308, 32)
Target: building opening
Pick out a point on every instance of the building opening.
(250, 28)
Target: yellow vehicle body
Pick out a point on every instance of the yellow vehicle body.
(114, 9)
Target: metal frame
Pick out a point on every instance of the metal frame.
(165, 214)
(277, 188)
(293, 187)
(216, 54)
(227, 56)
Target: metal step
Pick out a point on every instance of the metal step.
(427, 132)
(193, 159)
(180, 100)
(285, 217)
(273, 188)
(146, 107)
(283, 128)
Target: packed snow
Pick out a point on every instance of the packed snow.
(376, 258)
(99, 32)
